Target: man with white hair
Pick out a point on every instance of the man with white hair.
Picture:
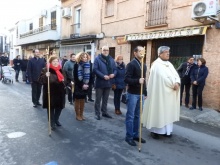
(162, 106)
(105, 71)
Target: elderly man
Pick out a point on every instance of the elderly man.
(34, 68)
(162, 107)
(105, 70)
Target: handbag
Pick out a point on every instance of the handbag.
(124, 98)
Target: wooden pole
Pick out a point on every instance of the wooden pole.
(48, 90)
(141, 97)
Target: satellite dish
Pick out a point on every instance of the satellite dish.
(199, 9)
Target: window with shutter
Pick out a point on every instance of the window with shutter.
(109, 9)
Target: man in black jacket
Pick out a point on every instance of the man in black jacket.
(34, 68)
(184, 71)
(134, 81)
(4, 60)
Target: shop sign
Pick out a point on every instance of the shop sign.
(168, 33)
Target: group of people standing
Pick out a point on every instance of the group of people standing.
(161, 98)
(195, 76)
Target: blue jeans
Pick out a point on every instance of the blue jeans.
(132, 116)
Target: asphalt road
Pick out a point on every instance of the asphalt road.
(24, 137)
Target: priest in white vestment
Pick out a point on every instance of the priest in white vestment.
(162, 106)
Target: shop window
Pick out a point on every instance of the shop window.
(109, 8)
(156, 12)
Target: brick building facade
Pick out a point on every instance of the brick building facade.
(152, 23)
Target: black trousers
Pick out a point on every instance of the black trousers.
(187, 89)
(36, 92)
(54, 115)
(197, 91)
(70, 95)
(17, 73)
(90, 91)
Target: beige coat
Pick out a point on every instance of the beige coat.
(162, 105)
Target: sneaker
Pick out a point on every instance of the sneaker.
(131, 142)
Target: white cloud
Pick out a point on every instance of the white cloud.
(11, 11)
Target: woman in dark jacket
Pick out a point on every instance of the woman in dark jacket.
(17, 66)
(57, 90)
(198, 77)
(81, 81)
(119, 84)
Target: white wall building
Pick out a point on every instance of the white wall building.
(40, 32)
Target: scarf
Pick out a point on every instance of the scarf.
(120, 66)
(188, 68)
(58, 73)
(84, 72)
(108, 63)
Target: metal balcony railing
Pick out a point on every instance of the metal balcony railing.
(76, 28)
(39, 30)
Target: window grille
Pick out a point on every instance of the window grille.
(156, 12)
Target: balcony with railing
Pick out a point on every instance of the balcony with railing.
(75, 30)
(47, 32)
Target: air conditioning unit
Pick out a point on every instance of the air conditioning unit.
(205, 8)
(44, 13)
(66, 13)
(75, 35)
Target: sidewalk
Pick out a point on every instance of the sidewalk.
(207, 116)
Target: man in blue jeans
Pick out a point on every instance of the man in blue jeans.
(134, 80)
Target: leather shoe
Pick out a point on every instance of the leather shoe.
(137, 139)
(200, 108)
(154, 135)
(58, 123)
(107, 116)
(131, 142)
(169, 136)
(35, 105)
(98, 117)
(39, 104)
(91, 100)
(191, 108)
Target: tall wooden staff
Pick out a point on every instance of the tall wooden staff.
(48, 90)
(141, 97)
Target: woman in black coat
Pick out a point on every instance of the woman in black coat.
(198, 77)
(57, 90)
(81, 81)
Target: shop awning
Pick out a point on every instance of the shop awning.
(180, 32)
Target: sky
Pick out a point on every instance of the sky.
(11, 11)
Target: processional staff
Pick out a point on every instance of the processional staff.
(143, 52)
(48, 90)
